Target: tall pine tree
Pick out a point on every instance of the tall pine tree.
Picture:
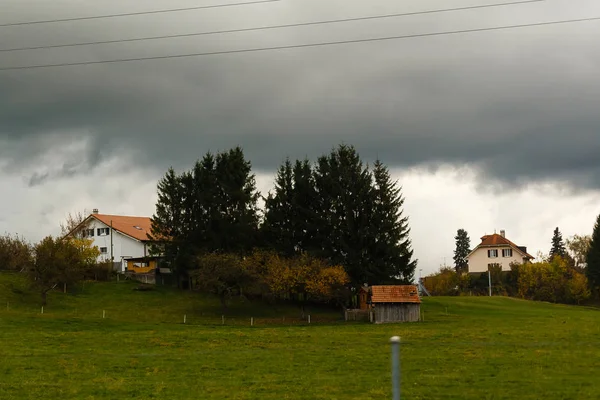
(558, 245)
(391, 252)
(344, 205)
(593, 259)
(212, 207)
(167, 222)
(278, 229)
(462, 250)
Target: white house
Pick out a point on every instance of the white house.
(118, 237)
(496, 249)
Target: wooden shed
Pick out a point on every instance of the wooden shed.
(395, 303)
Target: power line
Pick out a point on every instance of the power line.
(129, 14)
(298, 46)
(272, 26)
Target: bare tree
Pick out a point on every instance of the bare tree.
(72, 221)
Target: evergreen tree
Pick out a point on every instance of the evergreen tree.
(558, 245)
(391, 253)
(236, 225)
(593, 258)
(212, 207)
(344, 206)
(304, 200)
(167, 228)
(278, 229)
(463, 248)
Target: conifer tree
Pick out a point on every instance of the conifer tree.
(344, 187)
(462, 250)
(593, 259)
(167, 228)
(278, 229)
(558, 245)
(391, 254)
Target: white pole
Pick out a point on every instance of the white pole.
(184, 318)
(251, 321)
(42, 309)
(103, 314)
(395, 341)
(309, 319)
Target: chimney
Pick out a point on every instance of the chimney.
(503, 233)
(95, 211)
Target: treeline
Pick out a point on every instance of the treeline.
(554, 280)
(53, 263)
(337, 211)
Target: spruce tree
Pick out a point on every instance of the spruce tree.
(593, 258)
(462, 250)
(344, 204)
(391, 253)
(558, 245)
(304, 200)
(236, 227)
(278, 229)
(167, 228)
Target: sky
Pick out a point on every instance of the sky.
(486, 131)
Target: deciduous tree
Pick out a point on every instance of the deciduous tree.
(15, 253)
(61, 261)
(578, 246)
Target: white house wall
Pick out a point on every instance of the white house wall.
(479, 260)
(123, 246)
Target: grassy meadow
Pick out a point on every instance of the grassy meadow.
(466, 348)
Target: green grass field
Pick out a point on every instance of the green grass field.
(467, 348)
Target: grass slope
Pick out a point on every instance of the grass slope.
(467, 348)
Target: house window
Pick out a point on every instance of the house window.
(88, 233)
(506, 252)
(103, 250)
(492, 253)
(103, 231)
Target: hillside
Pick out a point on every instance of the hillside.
(467, 348)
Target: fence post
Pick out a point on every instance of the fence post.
(103, 314)
(309, 319)
(42, 309)
(251, 321)
(184, 318)
(395, 341)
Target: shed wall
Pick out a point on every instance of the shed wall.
(397, 312)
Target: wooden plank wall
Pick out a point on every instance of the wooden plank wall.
(390, 312)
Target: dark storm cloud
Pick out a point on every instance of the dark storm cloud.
(521, 106)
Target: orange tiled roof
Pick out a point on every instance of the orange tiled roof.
(395, 294)
(499, 240)
(127, 225)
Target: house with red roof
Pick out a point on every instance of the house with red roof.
(123, 239)
(496, 249)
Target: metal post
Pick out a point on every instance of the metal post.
(490, 281)
(395, 341)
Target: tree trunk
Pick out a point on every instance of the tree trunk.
(222, 297)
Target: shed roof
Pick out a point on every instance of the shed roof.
(395, 294)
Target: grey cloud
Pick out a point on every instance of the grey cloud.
(519, 106)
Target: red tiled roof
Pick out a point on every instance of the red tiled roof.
(136, 227)
(499, 240)
(395, 294)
